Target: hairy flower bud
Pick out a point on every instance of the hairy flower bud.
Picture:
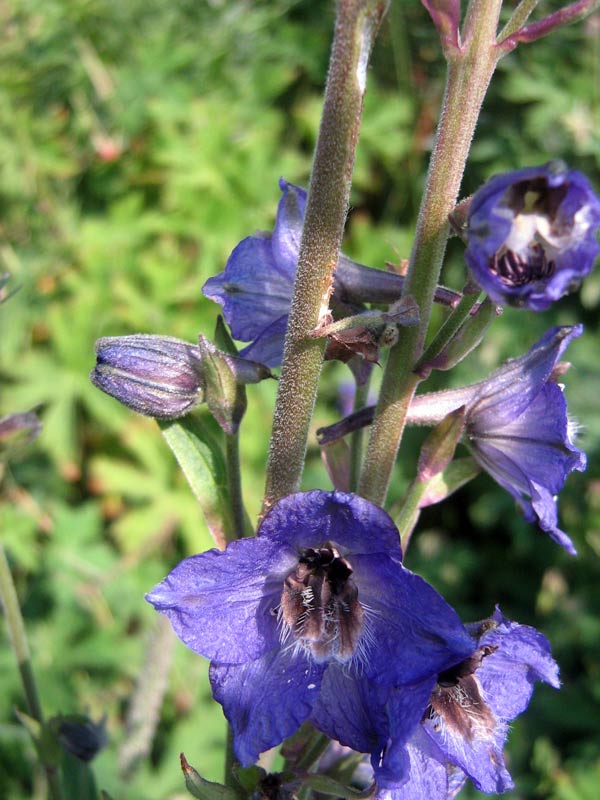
(158, 376)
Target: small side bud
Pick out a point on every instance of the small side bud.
(464, 341)
(458, 473)
(224, 378)
(79, 735)
(158, 376)
(438, 449)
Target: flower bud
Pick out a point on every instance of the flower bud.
(79, 735)
(158, 376)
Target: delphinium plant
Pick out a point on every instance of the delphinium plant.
(321, 642)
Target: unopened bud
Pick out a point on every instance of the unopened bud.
(439, 446)
(224, 377)
(158, 376)
(78, 734)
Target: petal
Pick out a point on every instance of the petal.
(352, 710)
(507, 675)
(266, 700)
(410, 631)
(531, 456)
(254, 289)
(288, 226)
(427, 778)
(509, 391)
(309, 519)
(481, 758)
(268, 347)
(222, 604)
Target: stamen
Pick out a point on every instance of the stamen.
(320, 607)
(517, 269)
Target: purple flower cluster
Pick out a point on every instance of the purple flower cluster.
(317, 619)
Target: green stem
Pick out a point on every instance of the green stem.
(18, 640)
(356, 440)
(518, 18)
(469, 74)
(407, 516)
(448, 329)
(230, 759)
(327, 205)
(234, 484)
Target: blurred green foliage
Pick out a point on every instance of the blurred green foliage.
(139, 142)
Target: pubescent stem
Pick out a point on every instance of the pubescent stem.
(469, 74)
(356, 24)
(18, 640)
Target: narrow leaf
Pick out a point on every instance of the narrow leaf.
(201, 458)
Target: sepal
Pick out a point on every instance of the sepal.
(197, 786)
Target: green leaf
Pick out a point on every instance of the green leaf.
(201, 458)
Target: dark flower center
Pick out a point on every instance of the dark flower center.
(456, 701)
(319, 604)
(535, 207)
(516, 269)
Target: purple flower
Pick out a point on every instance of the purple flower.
(314, 618)
(257, 284)
(532, 235)
(465, 726)
(256, 287)
(519, 431)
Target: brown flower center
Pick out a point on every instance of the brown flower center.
(320, 606)
(456, 701)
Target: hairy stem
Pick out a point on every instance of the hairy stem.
(469, 74)
(327, 205)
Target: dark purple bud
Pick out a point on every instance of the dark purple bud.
(532, 235)
(157, 376)
(79, 735)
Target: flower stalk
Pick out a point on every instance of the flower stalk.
(356, 25)
(469, 74)
(20, 646)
